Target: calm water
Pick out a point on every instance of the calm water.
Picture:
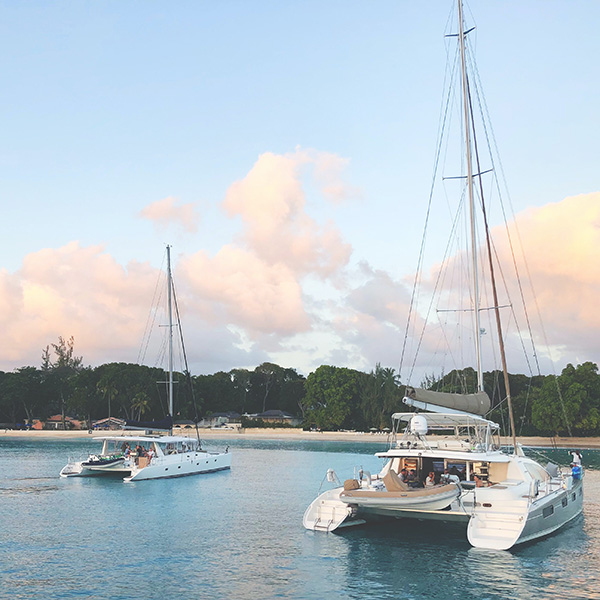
(239, 534)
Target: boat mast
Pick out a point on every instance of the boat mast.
(469, 111)
(467, 124)
(169, 295)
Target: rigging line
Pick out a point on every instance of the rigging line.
(150, 321)
(491, 139)
(441, 271)
(441, 129)
(526, 404)
(187, 369)
(493, 280)
(514, 314)
(491, 142)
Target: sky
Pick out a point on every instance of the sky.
(285, 151)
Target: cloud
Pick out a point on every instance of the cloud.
(248, 292)
(250, 298)
(560, 243)
(72, 291)
(165, 212)
(555, 250)
(272, 205)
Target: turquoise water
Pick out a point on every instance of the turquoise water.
(239, 534)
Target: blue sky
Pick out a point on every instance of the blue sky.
(108, 108)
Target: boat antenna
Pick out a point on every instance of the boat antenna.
(467, 120)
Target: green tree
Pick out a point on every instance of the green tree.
(570, 403)
(332, 398)
(59, 374)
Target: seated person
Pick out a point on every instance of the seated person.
(479, 482)
(448, 477)
(430, 481)
(413, 480)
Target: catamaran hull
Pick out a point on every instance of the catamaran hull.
(498, 530)
(180, 465)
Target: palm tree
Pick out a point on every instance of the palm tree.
(141, 403)
(108, 389)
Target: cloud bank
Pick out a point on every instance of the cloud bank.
(284, 286)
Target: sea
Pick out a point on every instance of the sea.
(238, 534)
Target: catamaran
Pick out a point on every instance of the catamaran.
(445, 462)
(136, 457)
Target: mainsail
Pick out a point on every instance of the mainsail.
(475, 404)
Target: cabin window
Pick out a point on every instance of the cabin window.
(549, 510)
(574, 497)
(458, 468)
(564, 502)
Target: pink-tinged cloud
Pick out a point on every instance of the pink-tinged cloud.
(166, 212)
(246, 291)
(271, 202)
(73, 291)
(556, 249)
(561, 243)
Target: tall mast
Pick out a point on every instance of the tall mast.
(169, 295)
(467, 122)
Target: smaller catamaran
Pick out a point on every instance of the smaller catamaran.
(446, 464)
(146, 455)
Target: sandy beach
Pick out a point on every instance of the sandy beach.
(296, 434)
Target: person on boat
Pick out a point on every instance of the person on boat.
(126, 451)
(150, 454)
(430, 481)
(448, 477)
(576, 458)
(480, 482)
(413, 479)
(404, 475)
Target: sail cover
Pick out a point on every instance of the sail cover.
(476, 404)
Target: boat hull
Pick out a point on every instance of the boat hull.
(181, 465)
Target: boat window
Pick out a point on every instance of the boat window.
(458, 468)
(564, 502)
(549, 510)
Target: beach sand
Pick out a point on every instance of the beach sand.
(296, 434)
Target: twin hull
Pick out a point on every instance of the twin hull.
(176, 465)
(488, 524)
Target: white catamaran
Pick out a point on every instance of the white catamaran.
(445, 463)
(147, 456)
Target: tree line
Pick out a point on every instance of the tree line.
(330, 398)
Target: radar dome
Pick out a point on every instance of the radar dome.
(418, 425)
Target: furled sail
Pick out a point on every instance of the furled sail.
(476, 404)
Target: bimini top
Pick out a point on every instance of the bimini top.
(447, 420)
(163, 439)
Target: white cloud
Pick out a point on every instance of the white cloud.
(166, 212)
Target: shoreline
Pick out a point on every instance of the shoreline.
(297, 435)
